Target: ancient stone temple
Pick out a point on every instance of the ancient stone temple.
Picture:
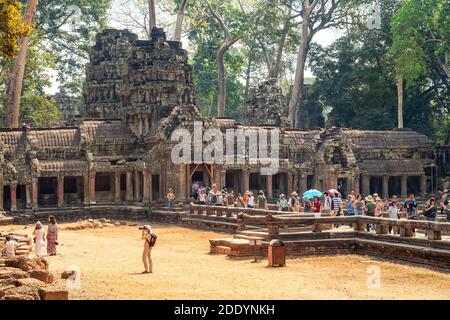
(137, 93)
(67, 105)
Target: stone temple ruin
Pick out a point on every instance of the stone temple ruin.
(137, 92)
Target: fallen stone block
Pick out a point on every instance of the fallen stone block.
(42, 275)
(30, 282)
(53, 294)
(67, 274)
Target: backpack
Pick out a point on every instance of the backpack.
(152, 240)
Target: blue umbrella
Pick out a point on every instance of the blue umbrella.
(312, 193)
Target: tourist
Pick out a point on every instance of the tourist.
(349, 206)
(410, 206)
(52, 236)
(358, 204)
(170, 199)
(307, 205)
(446, 210)
(10, 247)
(246, 196)
(393, 210)
(379, 210)
(240, 203)
(431, 210)
(327, 203)
(317, 205)
(219, 198)
(370, 210)
(195, 190)
(294, 202)
(202, 196)
(230, 198)
(39, 238)
(251, 201)
(283, 204)
(337, 204)
(149, 238)
(262, 200)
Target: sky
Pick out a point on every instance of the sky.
(116, 17)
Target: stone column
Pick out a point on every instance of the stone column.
(129, 192)
(140, 127)
(146, 127)
(303, 184)
(92, 199)
(269, 190)
(386, 186)
(137, 187)
(60, 191)
(117, 191)
(423, 185)
(404, 187)
(222, 179)
(13, 189)
(245, 181)
(290, 186)
(146, 187)
(2, 206)
(34, 193)
(356, 187)
(86, 189)
(365, 185)
(28, 193)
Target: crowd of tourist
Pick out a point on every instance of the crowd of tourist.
(40, 237)
(330, 202)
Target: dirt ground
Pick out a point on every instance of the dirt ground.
(110, 263)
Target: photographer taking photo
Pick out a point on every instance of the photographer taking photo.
(149, 238)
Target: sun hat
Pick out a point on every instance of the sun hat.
(369, 198)
(148, 227)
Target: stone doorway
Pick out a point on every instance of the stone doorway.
(104, 187)
(21, 197)
(395, 186)
(73, 191)
(414, 185)
(47, 192)
(7, 198)
(156, 189)
(376, 185)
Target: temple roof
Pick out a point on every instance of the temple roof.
(392, 166)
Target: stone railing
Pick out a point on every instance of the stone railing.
(433, 230)
(224, 211)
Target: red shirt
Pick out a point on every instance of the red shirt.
(317, 206)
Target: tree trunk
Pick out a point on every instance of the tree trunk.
(151, 15)
(180, 19)
(16, 79)
(400, 101)
(248, 73)
(297, 89)
(222, 85)
(275, 72)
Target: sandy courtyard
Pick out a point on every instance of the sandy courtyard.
(110, 263)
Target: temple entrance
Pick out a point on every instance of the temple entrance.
(395, 186)
(156, 193)
(257, 182)
(73, 191)
(343, 187)
(233, 181)
(7, 198)
(104, 187)
(21, 195)
(123, 186)
(47, 192)
(309, 182)
(414, 185)
(376, 185)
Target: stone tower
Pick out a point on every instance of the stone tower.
(266, 105)
(137, 81)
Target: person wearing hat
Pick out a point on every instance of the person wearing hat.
(370, 209)
(261, 201)
(170, 199)
(251, 200)
(39, 238)
(283, 203)
(294, 202)
(149, 238)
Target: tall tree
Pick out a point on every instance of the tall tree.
(152, 14)
(228, 42)
(180, 19)
(17, 74)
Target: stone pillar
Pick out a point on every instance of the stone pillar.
(117, 191)
(137, 186)
(92, 199)
(423, 185)
(140, 127)
(86, 189)
(404, 187)
(290, 187)
(222, 179)
(146, 127)
(28, 194)
(356, 187)
(146, 187)
(34, 193)
(13, 189)
(2, 206)
(365, 185)
(386, 186)
(245, 181)
(303, 184)
(60, 191)
(269, 190)
(129, 192)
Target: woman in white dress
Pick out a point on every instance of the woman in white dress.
(39, 239)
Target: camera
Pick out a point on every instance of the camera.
(141, 228)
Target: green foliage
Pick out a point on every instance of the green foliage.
(12, 27)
